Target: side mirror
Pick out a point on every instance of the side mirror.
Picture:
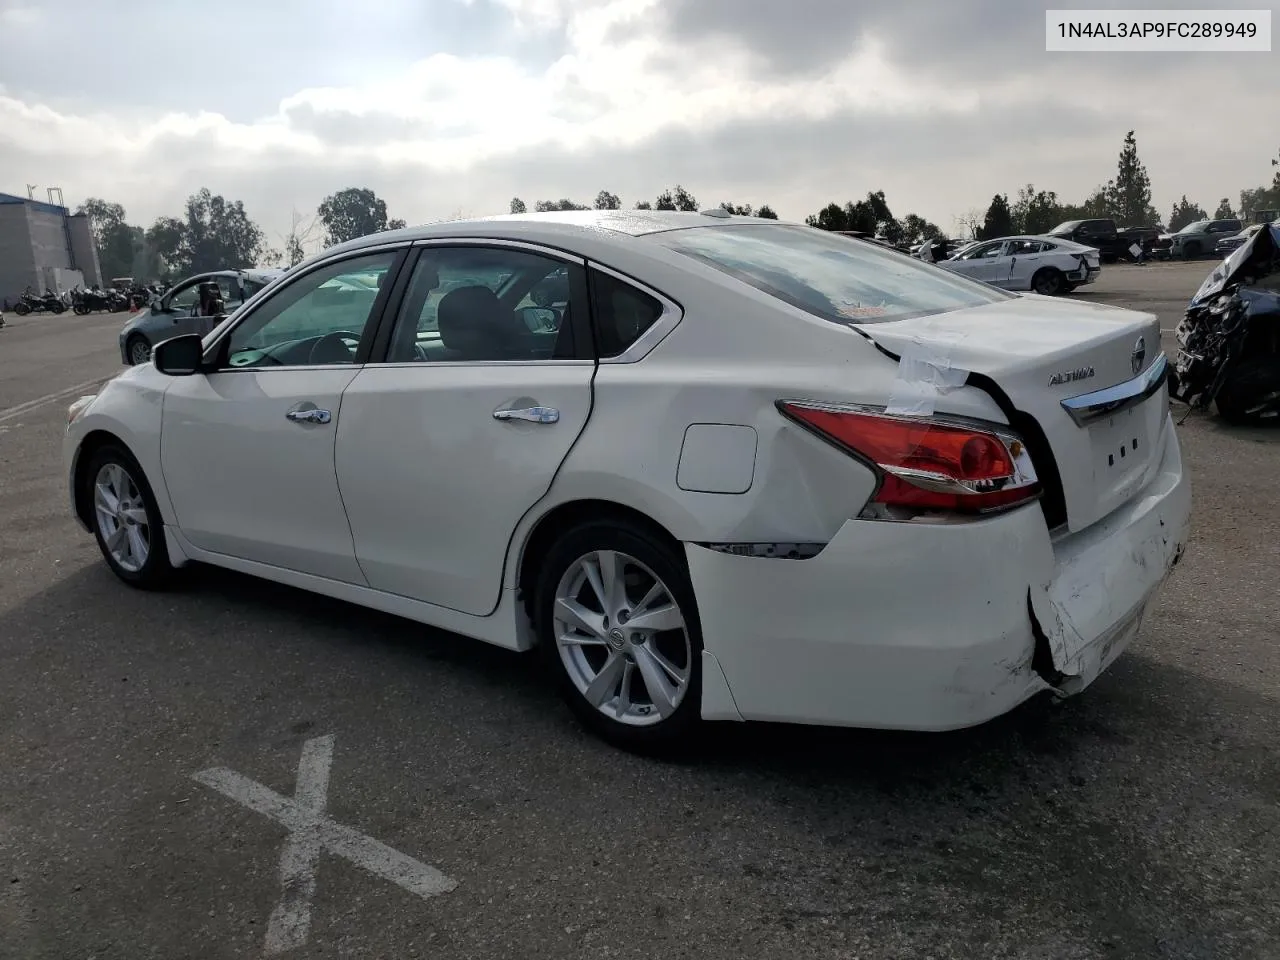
(539, 319)
(179, 357)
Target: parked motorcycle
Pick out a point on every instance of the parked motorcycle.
(1229, 339)
(31, 302)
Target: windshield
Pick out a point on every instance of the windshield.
(1197, 227)
(837, 278)
(1063, 229)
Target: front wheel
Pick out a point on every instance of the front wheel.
(1048, 282)
(1251, 394)
(138, 349)
(22, 308)
(618, 628)
(126, 520)
(1191, 251)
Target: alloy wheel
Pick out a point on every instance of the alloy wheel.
(121, 515)
(622, 638)
(139, 352)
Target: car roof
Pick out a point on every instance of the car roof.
(564, 224)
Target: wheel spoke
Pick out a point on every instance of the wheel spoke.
(115, 539)
(678, 677)
(650, 598)
(624, 688)
(580, 618)
(591, 567)
(106, 497)
(117, 481)
(137, 514)
(660, 690)
(605, 684)
(578, 640)
(665, 617)
(608, 581)
(137, 545)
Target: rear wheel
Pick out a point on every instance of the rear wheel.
(126, 520)
(1048, 282)
(1251, 395)
(138, 348)
(618, 627)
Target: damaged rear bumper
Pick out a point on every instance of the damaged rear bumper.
(936, 626)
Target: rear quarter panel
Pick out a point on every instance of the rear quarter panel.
(735, 353)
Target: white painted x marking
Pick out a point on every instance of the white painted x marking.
(310, 833)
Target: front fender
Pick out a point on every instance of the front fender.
(128, 408)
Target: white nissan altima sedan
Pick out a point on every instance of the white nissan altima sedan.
(715, 468)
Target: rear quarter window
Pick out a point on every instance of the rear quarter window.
(840, 279)
(622, 313)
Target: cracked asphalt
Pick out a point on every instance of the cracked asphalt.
(1139, 820)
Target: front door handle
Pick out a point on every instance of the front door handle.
(309, 416)
(531, 414)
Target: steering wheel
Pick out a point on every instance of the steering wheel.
(332, 341)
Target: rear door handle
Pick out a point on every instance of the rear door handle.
(309, 416)
(531, 414)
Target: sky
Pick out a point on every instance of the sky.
(450, 108)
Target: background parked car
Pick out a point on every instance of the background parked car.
(1045, 265)
(1200, 238)
(1111, 243)
(177, 311)
(1224, 246)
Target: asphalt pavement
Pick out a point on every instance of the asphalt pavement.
(1139, 820)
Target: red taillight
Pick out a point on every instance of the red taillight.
(928, 464)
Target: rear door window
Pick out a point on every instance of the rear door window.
(837, 278)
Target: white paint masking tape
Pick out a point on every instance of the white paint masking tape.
(924, 373)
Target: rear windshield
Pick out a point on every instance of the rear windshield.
(837, 278)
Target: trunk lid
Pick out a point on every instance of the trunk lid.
(1041, 351)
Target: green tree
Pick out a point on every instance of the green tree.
(1036, 211)
(831, 217)
(677, 199)
(215, 234)
(517, 206)
(737, 209)
(916, 229)
(998, 220)
(643, 205)
(165, 240)
(1129, 194)
(1224, 211)
(548, 206)
(117, 241)
(766, 212)
(607, 201)
(1185, 212)
(354, 212)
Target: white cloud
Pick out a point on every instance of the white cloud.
(630, 106)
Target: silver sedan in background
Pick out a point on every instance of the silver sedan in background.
(178, 311)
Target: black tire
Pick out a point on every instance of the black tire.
(1191, 251)
(21, 308)
(1253, 382)
(675, 732)
(138, 349)
(58, 308)
(156, 572)
(1048, 282)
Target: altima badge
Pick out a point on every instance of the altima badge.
(1070, 376)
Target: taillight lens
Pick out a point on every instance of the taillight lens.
(926, 464)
